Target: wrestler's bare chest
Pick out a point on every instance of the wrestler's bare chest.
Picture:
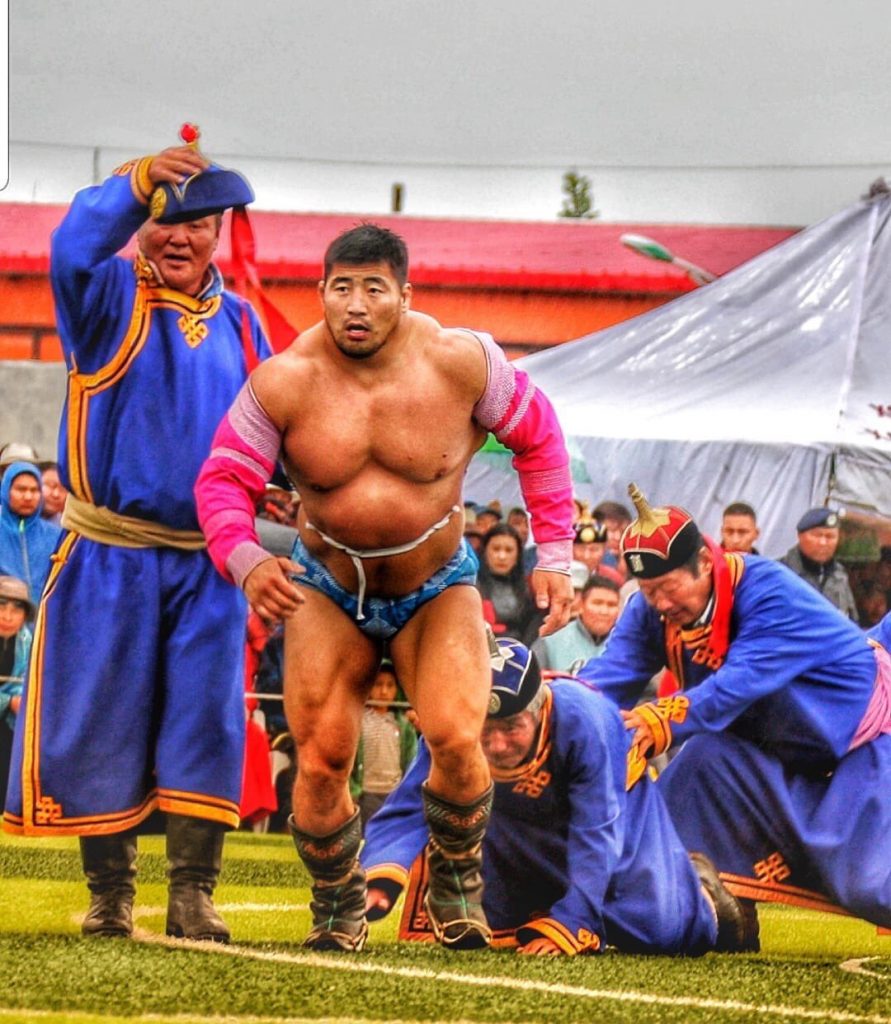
(416, 428)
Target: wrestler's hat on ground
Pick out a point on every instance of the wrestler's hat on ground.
(516, 677)
(660, 539)
(212, 191)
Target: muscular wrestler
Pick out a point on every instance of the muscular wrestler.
(375, 413)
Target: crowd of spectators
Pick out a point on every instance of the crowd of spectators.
(32, 498)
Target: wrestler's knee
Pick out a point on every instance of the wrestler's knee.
(454, 752)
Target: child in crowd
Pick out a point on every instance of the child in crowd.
(387, 745)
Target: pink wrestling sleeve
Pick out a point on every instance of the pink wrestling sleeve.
(523, 419)
(232, 479)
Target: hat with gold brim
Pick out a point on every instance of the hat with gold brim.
(660, 539)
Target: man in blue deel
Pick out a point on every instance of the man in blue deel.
(134, 699)
(783, 713)
(571, 862)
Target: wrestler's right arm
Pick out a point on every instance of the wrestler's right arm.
(242, 459)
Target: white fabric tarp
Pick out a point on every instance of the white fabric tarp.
(770, 385)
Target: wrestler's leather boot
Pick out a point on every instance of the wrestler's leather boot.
(338, 888)
(737, 919)
(454, 900)
(109, 863)
(194, 855)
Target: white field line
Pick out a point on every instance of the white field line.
(856, 967)
(87, 1017)
(337, 963)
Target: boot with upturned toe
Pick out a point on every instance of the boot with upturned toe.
(454, 900)
(338, 886)
(194, 855)
(109, 862)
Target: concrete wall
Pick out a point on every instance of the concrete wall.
(31, 397)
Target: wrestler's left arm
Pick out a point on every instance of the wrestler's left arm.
(521, 417)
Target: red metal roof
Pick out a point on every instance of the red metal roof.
(550, 256)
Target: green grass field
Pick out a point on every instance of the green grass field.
(813, 967)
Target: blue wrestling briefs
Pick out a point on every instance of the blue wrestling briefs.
(383, 617)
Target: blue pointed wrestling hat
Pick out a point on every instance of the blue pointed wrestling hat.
(516, 677)
(212, 191)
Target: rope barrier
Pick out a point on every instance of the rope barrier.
(401, 704)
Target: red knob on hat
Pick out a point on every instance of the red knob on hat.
(189, 133)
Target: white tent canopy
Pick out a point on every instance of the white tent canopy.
(771, 385)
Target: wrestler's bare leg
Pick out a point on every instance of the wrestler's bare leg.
(441, 658)
(329, 666)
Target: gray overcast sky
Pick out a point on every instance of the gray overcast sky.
(510, 83)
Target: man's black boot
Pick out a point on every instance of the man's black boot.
(109, 863)
(194, 856)
(454, 900)
(737, 919)
(338, 887)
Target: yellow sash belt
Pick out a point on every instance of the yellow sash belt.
(106, 527)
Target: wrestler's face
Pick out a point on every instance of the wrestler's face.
(738, 533)
(363, 306)
(507, 742)
(181, 252)
(12, 616)
(24, 495)
(679, 596)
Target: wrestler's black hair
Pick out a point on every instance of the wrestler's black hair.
(369, 243)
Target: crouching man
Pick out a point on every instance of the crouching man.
(571, 860)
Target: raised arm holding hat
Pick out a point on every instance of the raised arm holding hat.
(140, 641)
(784, 712)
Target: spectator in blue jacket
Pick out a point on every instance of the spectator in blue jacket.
(26, 539)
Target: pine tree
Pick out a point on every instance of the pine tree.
(579, 202)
